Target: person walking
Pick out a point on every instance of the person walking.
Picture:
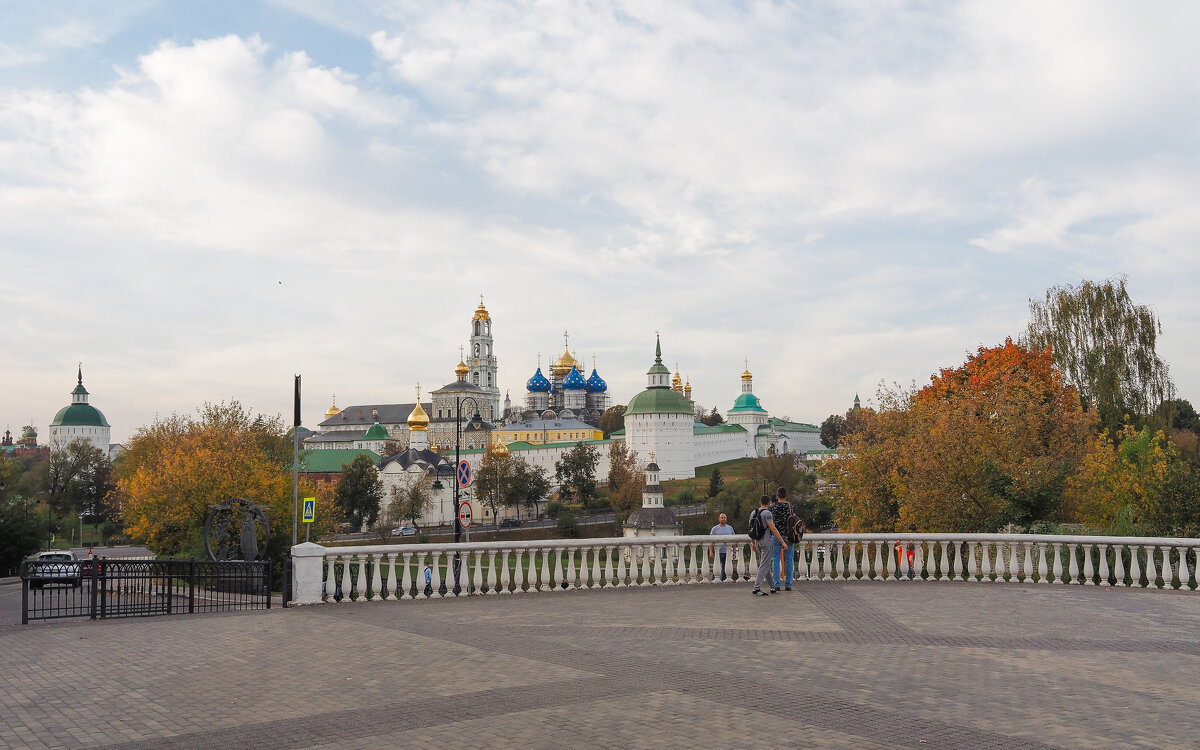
(721, 529)
(762, 528)
(782, 566)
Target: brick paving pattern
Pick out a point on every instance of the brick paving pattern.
(864, 665)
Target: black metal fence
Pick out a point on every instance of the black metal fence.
(102, 587)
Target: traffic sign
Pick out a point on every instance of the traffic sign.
(310, 510)
(464, 514)
(464, 473)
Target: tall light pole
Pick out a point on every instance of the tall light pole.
(476, 422)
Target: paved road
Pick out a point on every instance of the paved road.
(863, 665)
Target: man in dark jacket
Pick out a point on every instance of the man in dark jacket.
(781, 510)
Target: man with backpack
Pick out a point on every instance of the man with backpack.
(786, 521)
(762, 523)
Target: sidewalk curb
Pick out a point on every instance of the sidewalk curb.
(15, 580)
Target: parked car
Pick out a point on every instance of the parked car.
(510, 523)
(55, 567)
(404, 531)
(90, 566)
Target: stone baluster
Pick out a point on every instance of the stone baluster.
(691, 563)
(516, 578)
(708, 564)
(376, 579)
(435, 567)
(347, 585)
(1103, 564)
(852, 556)
(331, 578)
(610, 564)
(919, 562)
(1183, 571)
(545, 573)
(624, 557)
(1119, 556)
(1088, 570)
(752, 561)
(1027, 562)
(644, 554)
(406, 577)
(1057, 570)
(957, 572)
(391, 576)
(568, 581)
(972, 563)
(597, 569)
(491, 580)
(1168, 577)
(835, 559)
(1072, 565)
(1135, 568)
(1194, 575)
(944, 562)
(655, 565)
(1151, 573)
(985, 569)
(531, 582)
(360, 584)
(477, 580)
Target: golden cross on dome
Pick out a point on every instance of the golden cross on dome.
(481, 299)
(566, 339)
(460, 353)
(418, 391)
(651, 456)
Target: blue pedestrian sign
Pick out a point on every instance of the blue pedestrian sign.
(464, 473)
(310, 510)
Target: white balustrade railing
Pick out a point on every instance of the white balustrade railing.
(432, 571)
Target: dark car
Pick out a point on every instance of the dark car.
(510, 523)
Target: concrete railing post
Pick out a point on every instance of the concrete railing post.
(308, 561)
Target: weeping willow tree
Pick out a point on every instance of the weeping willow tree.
(1105, 345)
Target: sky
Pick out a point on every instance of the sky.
(200, 199)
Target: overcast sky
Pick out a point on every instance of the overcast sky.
(198, 200)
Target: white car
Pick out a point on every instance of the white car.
(59, 566)
(404, 531)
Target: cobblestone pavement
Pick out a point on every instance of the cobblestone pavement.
(829, 665)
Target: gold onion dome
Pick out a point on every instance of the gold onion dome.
(746, 373)
(418, 419)
(461, 369)
(564, 364)
(481, 312)
(499, 449)
(676, 381)
(333, 409)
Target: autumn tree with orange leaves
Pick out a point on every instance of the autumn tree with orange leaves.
(992, 442)
(174, 469)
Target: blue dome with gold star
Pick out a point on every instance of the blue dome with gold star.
(574, 381)
(538, 383)
(596, 384)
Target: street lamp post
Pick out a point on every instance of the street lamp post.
(475, 421)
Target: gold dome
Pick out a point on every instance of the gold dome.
(481, 312)
(746, 374)
(333, 409)
(676, 381)
(687, 388)
(498, 449)
(418, 419)
(461, 369)
(564, 364)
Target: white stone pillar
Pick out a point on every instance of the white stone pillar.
(308, 561)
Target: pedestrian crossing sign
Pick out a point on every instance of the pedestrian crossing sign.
(310, 509)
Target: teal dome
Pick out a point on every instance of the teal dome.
(376, 432)
(79, 415)
(659, 401)
(747, 402)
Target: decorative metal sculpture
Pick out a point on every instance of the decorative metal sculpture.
(236, 529)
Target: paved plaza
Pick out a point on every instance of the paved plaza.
(856, 665)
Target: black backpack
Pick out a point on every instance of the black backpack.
(757, 529)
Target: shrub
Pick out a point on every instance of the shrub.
(568, 526)
(553, 508)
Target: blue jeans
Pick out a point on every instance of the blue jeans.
(789, 562)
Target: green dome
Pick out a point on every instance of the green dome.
(376, 432)
(79, 415)
(747, 402)
(659, 401)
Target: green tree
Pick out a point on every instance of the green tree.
(20, 531)
(568, 525)
(493, 483)
(624, 480)
(529, 485)
(713, 418)
(715, 482)
(832, 430)
(1105, 344)
(576, 473)
(412, 499)
(1179, 414)
(359, 492)
(612, 419)
(778, 471)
